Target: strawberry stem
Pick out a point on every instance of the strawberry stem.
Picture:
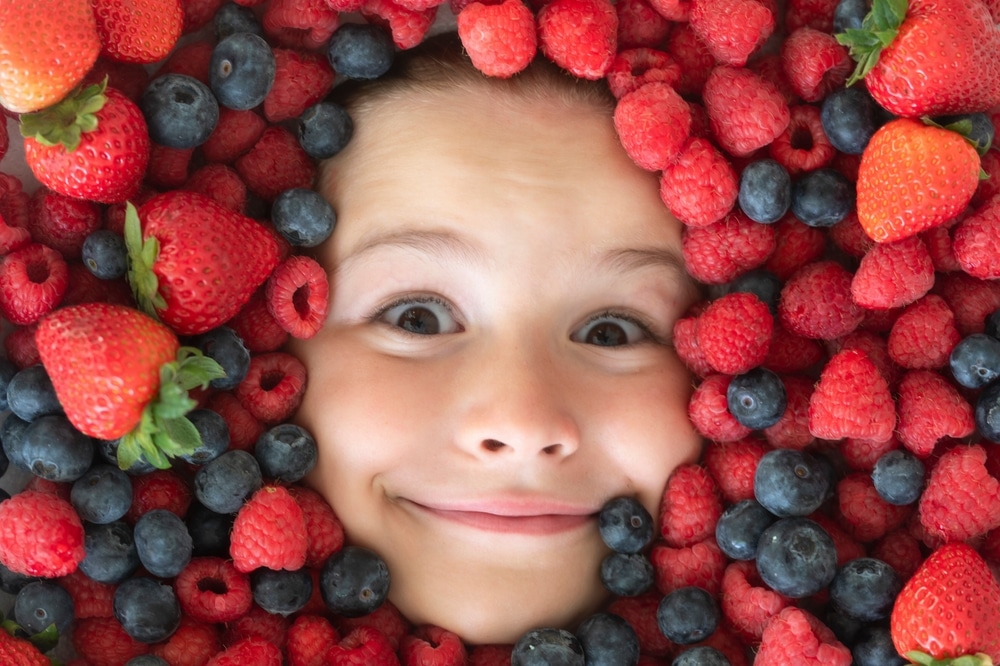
(924, 659)
(141, 257)
(878, 30)
(66, 122)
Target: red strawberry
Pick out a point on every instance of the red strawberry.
(139, 31)
(18, 651)
(949, 608)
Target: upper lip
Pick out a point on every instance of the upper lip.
(511, 506)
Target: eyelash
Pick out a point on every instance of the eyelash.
(642, 323)
(377, 314)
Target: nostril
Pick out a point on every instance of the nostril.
(493, 444)
(552, 449)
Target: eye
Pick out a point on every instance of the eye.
(420, 316)
(611, 330)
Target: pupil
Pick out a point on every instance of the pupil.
(607, 335)
(419, 320)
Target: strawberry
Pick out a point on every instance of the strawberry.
(14, 650)
(139, 31)
(46, 48)
(93, 145)
(913, 177)
(119, 373)
(949, 608)
(194, 263)
(907, 53)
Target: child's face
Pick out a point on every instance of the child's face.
(494, 366)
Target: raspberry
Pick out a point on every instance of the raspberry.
(61, 222)
(962, 499)
(386, 619)
(803, 145)
(168, 168)
(700, 186)
(428, 644)
(795, 636)
(220, 183)
(653, 124)
(635, 67)
(732, 466)
(734, 333)
(299, 24)
(726, 249)
(326, 534)
(640, 25)
(976, 241)
(54, 488)
(20, 348)
(875, 346)
(500, 39)
(276, 163)
(816, 14)
(191, 59)
(257, 327)
(726, 642)
(791, 353)
(796, 246)
(85, 287)
(816, 302)
(103, 640)
(197, 13)
(673, 10)
(939, 247)
(690, 506)
(308, 639)
(160, 489)
(924, 334)
(692, 54)
(732, 29)
(297, 296)
(407, 26)
(686, 345)
(248, 652)
(40, 535)
(746, 112)
(709, 411)
(815, 63)
(301, 79)
(930, 408)
(273, 387)
(11, 237)
(792, 430)
(700, 564)
(193, 644)
(490, 655)
(851, 399)
(33, 280)
(15, 650)
(862, 454)
(90, 598)
(244, 428)
(770, 68)
(850, 236)
(210, 589)
(364, 645)
(579, 35)
(234, 135)
(15, 210)
(893, 274)
(269, 531)
(640, 613)
(899, 550)
(863, 513)
(848, 548)
(257, 623)
(746, 602)
(972, 300)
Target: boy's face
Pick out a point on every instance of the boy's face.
(496, 365)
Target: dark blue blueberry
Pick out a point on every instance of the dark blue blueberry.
(232, 18)
(987, 413)
(975, 360)
(147, 609)
(703, 655)
(54, 450)
(281, 592)
(11, 434)
(977, 128)
(873, 646)
(547, 646)
(789, 482)
(107, 449)
(286, 452)
(354, 581)
(739, 528)
(899, 477)
(214, 433)
(843, 627)
(850, 118)
(627, 574)
(687, 615)
(4, 462)
(760, 282)
(241, 71)
(822, 197)
(147, 660)
(625, 525)
(104, 254)
(223, 345)
(992, 327)
(757, 398)
(7, 372)
(849, 14)
(41, 604)
(180, 111)
(765, 190)
(209, 531)
(162, 542)
(109, 552)
(303, 217)
(360, 51)
(324, 129)
(30, 393)
(608, 640)
(102, 495)
(224, 484)
(865, 589)
(4, 495)
(12, 582)
(796, 557)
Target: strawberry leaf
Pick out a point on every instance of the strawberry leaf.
(182, 433)
(46, 639)
(878, 30)
(63, 124)
(141, 258)
(924, 659)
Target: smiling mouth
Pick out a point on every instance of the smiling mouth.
(503, 522)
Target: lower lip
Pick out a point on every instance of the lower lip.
(533, 525)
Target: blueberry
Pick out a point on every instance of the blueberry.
(231, 18)
(360, 51)
(214, 433)
(108, 451)
(627, 574)
(796, 557)
(687, 615)
(625, 525)
(324, 129)
(899, 477)
(7, 372)
(147, 660)
(109, 552)
(162, 542)
(760, 282)
(54, 450)
(354, 581)
(608, 640)
(845, 628)
(757, 398)
(148, 610)
(11, 434)
(224, 346)
(992, 327)
(41, 604)
(303, 217)
(987, 413)
(865, 589)
(281, 592)
(849, 14)
(788, 482)
(703, 655)
(12, 582)
(30, 393)
(102, 495)
(4, 460)
(547, 646)
(4, 495)
(286, 452)
(850, 118)
(977, 128)
(209, 531)
(241, 71)
(765, 191)
(822, 197)
(180, 111)
(975, 360)
(739, 528)
(104, 254)
(224, 484)
(873, 646)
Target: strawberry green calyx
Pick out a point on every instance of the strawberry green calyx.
(924, 659)
(878, 30)
(44, 640)
(141, 257)
(164, 431)
(64, 123)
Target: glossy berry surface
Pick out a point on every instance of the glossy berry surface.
(688, 615)
(354, 581)
(625, 525)
(104, 254)
(303, 217)
(102, 495)
(796, 557)
(547, 647)
(821, 198)
(324, 129)
(789, 482)
(180, 110)
(739, 528)
(757, 398)
(765, 191)
(899, 477)
(286, 452)
(975, 360)
(41, 604)
(360, 51)
(241, 71)
(865, 589)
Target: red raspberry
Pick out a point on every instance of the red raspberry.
(875, 346)
(815, 63)
(893, 274)
(931, 408)
(386, 619)
(62, 222)
(298, 296)
(11, 237)
(990, 163)
(700, 186)
(90, 598)
(690, 507)
(308, 639)
(220, 183)
(850, 236)
(792, 429)
(299, 24)
(33, 280)
(210, 589)
(257, 623)
(579, 35)
(635, 67)
(673, 10)
(972, 300)
(976, 241)
(816, 14)
(770, 68)
(20, 348)
(269, 531)
(733, 465)
(248, 652)
(364, 645)
(863, 513)
(686, 346)
(428, 644)
(500, 39)
(862, 454)
(962, 499)
(197, 13)
(191, 59)
(244, 428)
(939, 246)
(276, 163)
(803, 145)
(407, 26)
(640, 25)
(709, 411)
(746, 602)
(691, 53)
(816, 302)
(732, 29)
(726, 642)
(4, 138)
(15, 205)
(653, 124)
(130, 79)
(168, 167)
(700, 564)
(924, 334)
(85, 287)
(794, 636)
(640, 613)
(746, 112)
(852, 399)
(273, 387)
(40, 535)
(899, 550)
(193, 644)
(791, 353)
(13, 650)
(159, 489)
(103, 641)
(234, 135)
(56, 489)
(326, 534)
(255, 325)
(301, 79)
(796, 245)
(726, 249)
(734, 333)
(846, 545)
(490, 655)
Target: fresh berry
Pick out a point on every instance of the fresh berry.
(141, 32)
(233, 17)
(539, 647)
(746, 602)
(169, 168)
(732, 29)
(765, 191)
(33, 280)
(579, 35)
(700, 186)
(962, 499)
(848, 381)
(739, 528)
(724, 337)
(209, 531)
(234, 135)
(360, 51)
(975, 361)
(298, 296)
(162, 542)
(815, 63)
(929, 409)
(256, 326)
(299, 24)
(210, 589)
(275, 163)
(924, 335)
(324, 129)
(688, 615)
(303, 217)
(822, 197)
(893, 274)
(147, 609)
(308, 638)
(286, 453)
(757, 398)
(690, 506)
(54, 450)
(723, 250)
(653, 124)
(850, 118)
(791, 431)
(326, 534)
(709, 412)
(159, 489)
(625, 525)
(104, 254)
(501, 39)
(253, 650)
(90, 598)
(822, 282)
(43, 603)
(269, 531)
(975, 241)
(407, 26)
(363, 645)
(354, 581)
(970, 299)
(224, 346)
(223, 484)
(301, 79)
(796, 557)
(745, 111)
(41, 535)
(865, 589)
(180, 110)
(281, 592)
(242, 71)
(701, 564)
(791, 483)
(627, 574)
(794, 636)
(273, 387)
(30, 395)
(213, 432)
(732, 465)
(104, 640)
(632, 68)
(110, 552)
(15, 650)
(796, 246)
(899, 477)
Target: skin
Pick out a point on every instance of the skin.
(530, 251)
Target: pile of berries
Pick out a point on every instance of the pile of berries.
(848, 360)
